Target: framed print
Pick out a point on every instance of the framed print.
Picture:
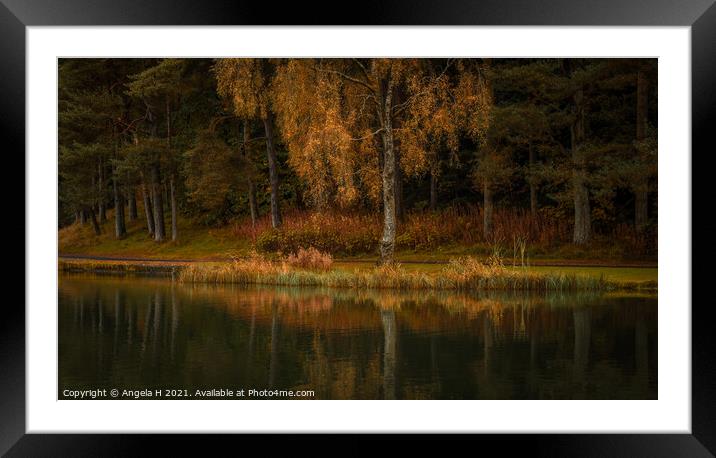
(465, 217)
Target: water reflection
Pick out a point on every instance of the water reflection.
(151, 334)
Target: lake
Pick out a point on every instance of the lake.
(140, 335)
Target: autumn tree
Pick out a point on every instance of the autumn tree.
(475, 104)
(430, 136)
(249, 169)
(573, 140)
(342, 119)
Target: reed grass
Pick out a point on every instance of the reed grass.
(460, 274)
(310, 258)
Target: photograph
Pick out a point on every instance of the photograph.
(454, 218)
(357, 228)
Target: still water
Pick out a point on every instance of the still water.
(153, 334)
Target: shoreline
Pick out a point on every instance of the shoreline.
(506, 278)
(533, 262)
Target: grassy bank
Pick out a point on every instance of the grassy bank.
(440, 251)
(422, 237)
(639, 277)
(459, 274)
(120, 267)
(464, 274)
(196, 242)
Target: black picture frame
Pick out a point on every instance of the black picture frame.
(699, 15)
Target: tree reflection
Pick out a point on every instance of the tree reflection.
(582, 333)
(343, 344)
(274, 346)
(389, 353)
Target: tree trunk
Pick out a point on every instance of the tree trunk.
(399, 204)
(252, 187)
(641, 189)
(95, 226)
(93, 206)
(100, 186)
(132, 202)
(533, 184)
(641, 206)
(252, 202)
(433, 190)
(172, 195)
(487, 210)
(120, 229)
(158, 202)
(381, 166)
(582, 210)
(83, 217)
(387, 242)
(166, 199)
(273, 171)
(147, 206)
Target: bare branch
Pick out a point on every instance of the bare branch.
(363, 69)
(367, 136)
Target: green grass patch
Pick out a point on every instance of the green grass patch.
(195, 242)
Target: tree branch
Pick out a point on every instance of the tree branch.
(397, 109)
(363, 69)
(367, 136)
(348, 78)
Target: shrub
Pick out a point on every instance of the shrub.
(269, 240)
(332, 233)
(356, 233)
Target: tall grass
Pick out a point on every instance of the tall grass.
(310, 258)
(460, 274)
